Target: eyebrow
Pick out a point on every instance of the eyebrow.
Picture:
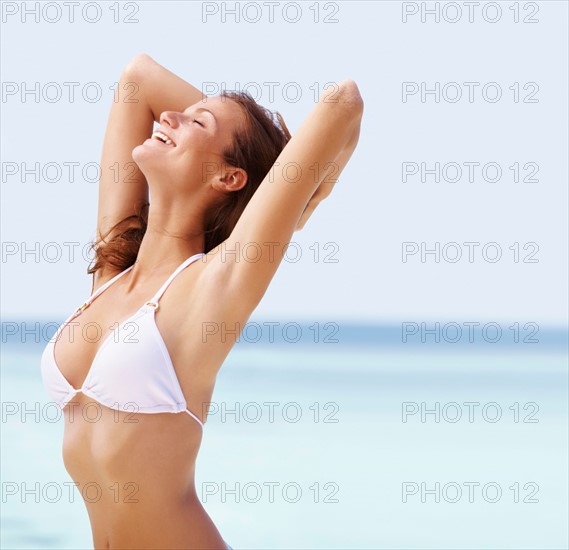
(207, 110)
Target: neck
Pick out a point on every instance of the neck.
(171, 237)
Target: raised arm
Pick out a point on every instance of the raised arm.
(145, 90)
(326, 186)
(317, 152)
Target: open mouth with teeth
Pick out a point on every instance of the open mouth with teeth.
(163, 138)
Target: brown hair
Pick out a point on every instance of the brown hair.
(254, 149)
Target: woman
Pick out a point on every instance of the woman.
(142, 345)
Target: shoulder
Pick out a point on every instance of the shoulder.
(102, 276)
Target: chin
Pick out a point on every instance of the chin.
(142, 154)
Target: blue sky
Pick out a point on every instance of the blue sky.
(372, 212)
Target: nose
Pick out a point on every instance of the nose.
(170, 118)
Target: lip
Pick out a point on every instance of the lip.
(166, 134)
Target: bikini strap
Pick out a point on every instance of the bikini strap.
(102, 289)
(155, 299)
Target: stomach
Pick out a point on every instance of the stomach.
(136, 475)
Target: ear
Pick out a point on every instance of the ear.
(232, 180)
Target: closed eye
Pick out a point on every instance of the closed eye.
(195, 120)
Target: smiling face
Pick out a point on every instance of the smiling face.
(186, 151)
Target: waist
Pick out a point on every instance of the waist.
(155, 521)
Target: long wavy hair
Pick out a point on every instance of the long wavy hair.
(254, 149)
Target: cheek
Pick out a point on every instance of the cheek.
(183, 166)
(201, 152)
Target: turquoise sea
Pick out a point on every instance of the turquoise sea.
(372, 443)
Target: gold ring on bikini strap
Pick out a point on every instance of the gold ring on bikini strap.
(84, 306)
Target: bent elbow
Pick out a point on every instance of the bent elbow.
(351, 93)
(137, 65)
(348, 96)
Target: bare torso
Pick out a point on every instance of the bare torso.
(135, 471)
(137, 478)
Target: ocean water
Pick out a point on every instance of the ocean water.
(370, 445)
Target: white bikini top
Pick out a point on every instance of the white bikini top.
(133, 373)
